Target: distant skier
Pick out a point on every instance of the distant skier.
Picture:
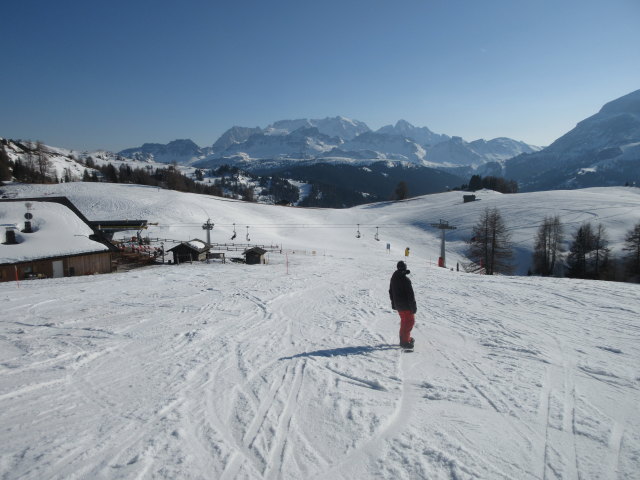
(404, 301)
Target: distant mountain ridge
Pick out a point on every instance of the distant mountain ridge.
(339, 127)
(232, 136)
(334, 139)
(183, 151)
(601, 150)
(420, 135)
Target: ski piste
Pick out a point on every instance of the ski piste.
(244, 371)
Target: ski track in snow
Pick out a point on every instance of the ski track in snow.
(274, 376)
(247, 372)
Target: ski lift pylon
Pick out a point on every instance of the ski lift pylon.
(358, 232)
(377, 237)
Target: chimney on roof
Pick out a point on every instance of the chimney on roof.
(27, 227)
(10, 236)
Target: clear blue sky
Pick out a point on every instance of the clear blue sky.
(92, 74)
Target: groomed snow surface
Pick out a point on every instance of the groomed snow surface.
(291, 370)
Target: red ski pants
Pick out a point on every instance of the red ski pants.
(407, 321)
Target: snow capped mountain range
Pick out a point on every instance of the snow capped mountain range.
(183, 152)
(335, 139)
(234, 135)
(601, 150)
(339, 127)
(421, 135)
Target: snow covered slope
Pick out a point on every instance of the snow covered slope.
(181, 215)
(71, 165)
(290, 370)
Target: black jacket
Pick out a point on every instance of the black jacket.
(401, 292)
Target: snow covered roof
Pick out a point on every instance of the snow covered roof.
(196, 244)
(256, 250)
(57, 231)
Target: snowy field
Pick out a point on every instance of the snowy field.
(290, 370)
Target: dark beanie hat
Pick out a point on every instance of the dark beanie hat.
(401, 265)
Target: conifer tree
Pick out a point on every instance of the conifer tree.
(491, 245)
(582, 246)
(402, 191)
(43, 162)
(5, 168)
(475, 183)
(600, 252)
(548, 246)
(632, 246)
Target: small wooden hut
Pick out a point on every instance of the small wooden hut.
(192, 251)
(254, 255)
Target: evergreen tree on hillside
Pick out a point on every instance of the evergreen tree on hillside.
(497, 184)
(401, 192)
(579, 251)
(43, 163)
(110, 173)
(632, 246)
(475, 183)
(589, 253)
(548, 246)
(490, 245)
(601, 250)
(5, 167)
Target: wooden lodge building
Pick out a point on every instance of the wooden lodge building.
(192, 251)
(254, 255)
(49, 238)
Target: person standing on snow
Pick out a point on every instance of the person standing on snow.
(404, 301)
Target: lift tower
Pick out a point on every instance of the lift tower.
(443, 226)
(208, 227)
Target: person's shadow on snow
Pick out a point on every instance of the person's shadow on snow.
(334, 352)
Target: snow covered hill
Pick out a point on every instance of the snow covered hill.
(290, 370)
(180, 216)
